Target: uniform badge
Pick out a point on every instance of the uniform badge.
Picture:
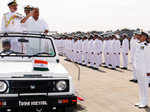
(142, 47)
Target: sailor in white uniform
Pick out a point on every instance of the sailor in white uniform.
(11, 22)
(106, 50)
(133, 44)
(114, 52)
(140, 66)
(98, 52)
(118, 44)
(125, 51)
(85, 50)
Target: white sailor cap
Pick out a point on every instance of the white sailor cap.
(117, 36)
(124, 34)
(138, 32)
(12, 2)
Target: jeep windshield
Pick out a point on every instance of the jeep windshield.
(26, 46)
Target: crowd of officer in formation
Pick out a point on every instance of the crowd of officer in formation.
(89, 50)
(92, 50)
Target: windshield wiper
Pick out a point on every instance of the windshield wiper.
(42, 54)
(10, 53)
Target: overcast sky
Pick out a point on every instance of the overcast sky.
(87, 15)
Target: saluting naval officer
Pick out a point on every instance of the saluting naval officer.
(28, 9)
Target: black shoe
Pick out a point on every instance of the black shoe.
(105, 66)
(113, 68)
(95, 68)
(117, 66)
(143, 107)
(110, 64)
(134, 80)
(124, 68)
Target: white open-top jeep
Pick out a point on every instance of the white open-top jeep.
(31, 77)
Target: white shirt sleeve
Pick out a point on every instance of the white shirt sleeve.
(45, 25)
(147, 61)
(3, 28)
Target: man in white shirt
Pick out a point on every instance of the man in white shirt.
(34, 23)
(142, 68)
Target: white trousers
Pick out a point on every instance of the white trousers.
(143, 87)
(125, 60)
(92, 59)
(80, 57)
(99, 60)
(106, 56)
(114, 60)
(134, 72)
(118, 59)
(85, 58)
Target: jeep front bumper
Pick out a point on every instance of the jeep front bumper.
(49, 102)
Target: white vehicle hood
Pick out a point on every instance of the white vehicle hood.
(9, 69)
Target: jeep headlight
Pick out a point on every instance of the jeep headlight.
(3, 86)
(61, 85)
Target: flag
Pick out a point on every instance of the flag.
(40, 65)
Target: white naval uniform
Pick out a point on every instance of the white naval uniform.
(140, 66)
(75, 47)
(106, 52)
(133, 49)
(10, 24)
(125, 51)
(85, 52)
(91, 52)
(94, 55)
(110, 42)
(72, 49)
(118, 46)
(98, 53)
(80, 51)
(100, 50)
(88, 50)
(114, 54)
(69, 49)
